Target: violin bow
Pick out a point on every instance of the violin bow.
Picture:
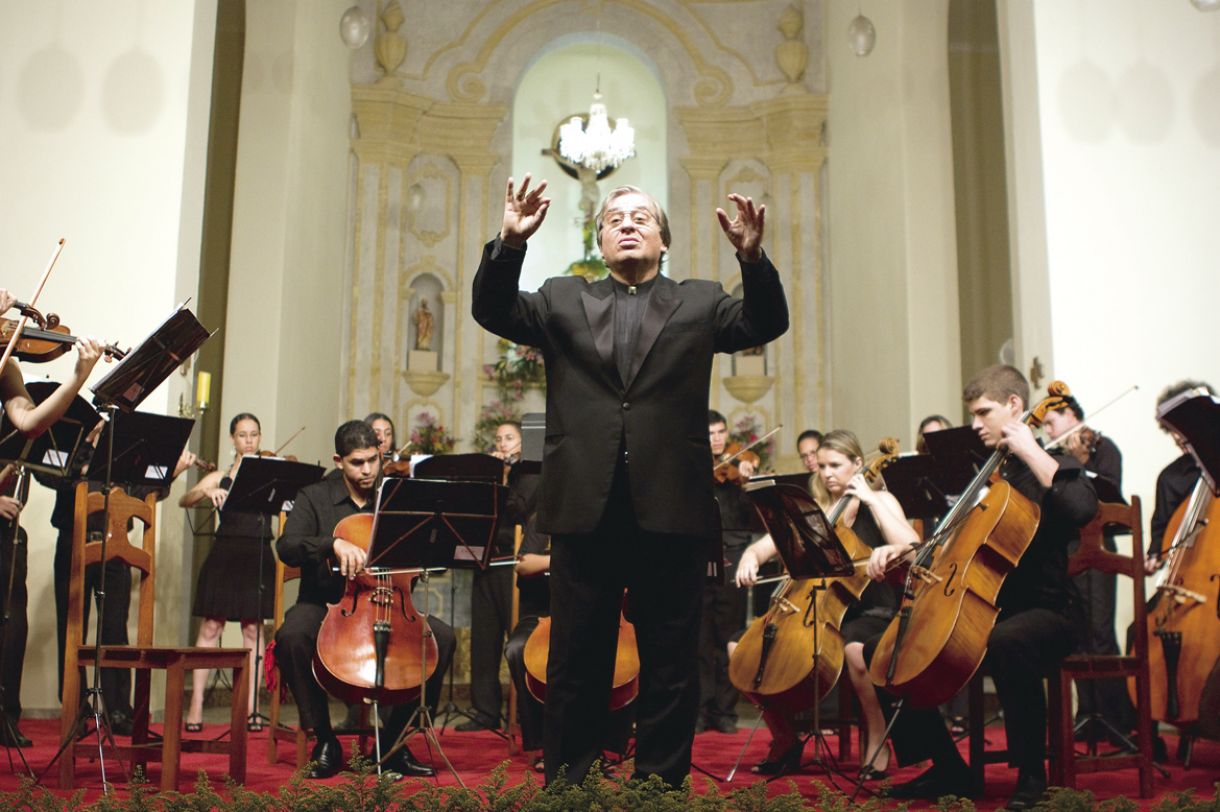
(760, 440)
(284, 445)
(1062, 438)
(16, 336)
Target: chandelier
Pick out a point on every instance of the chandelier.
(588, 141)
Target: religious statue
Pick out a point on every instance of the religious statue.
(423, 326)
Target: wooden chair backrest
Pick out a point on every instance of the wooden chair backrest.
(1093, 555)
(124, 509)
(283, 574)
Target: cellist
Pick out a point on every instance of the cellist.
(1040, 616)
(878, 520)
(309, 543)
(1175, 481)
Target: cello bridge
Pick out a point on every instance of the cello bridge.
(1180, 594)
(926, 575)
(785, 605)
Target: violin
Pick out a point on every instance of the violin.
(373, 644)
(781, 664)
(728, 468)
(938, 639)
(47, 342)
(624, 687)
(397, 463)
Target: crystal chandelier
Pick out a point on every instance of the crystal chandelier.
(594, 145)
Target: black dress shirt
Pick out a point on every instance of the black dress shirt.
(308, 539)
(1173, 485)
(1040, 579)
(630, 301)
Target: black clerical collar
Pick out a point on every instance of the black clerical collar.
(633, 290)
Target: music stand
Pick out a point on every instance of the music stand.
(920, 483)
(146, 449)
(960, 451)
(1195, 414)
(266, 486)
(809, 548)
(123, 389)
(424, 525)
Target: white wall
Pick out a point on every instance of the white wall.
(103, 135)
(893, 257)
(1117, 117)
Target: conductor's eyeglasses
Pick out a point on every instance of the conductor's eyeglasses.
(640, 218)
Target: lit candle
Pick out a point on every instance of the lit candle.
(203, 389)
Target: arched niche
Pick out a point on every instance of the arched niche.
(422, 309)
(559, 84)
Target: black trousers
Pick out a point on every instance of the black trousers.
(1106, 698)
(491, 606)
(663, 576)
(295, 644)
(1021, 651)
(14, 626)
(529, 710)
(724, 614)
(116, 682)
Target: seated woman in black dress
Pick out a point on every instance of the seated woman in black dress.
(228, 586)
(840, 462)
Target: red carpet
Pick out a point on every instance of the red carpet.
(475, 754)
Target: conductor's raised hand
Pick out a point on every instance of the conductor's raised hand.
(745, 231)
(524, 211)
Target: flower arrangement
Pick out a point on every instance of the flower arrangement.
(519, 366)
(747, 430)
(430, 437)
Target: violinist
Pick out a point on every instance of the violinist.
(383, 427)
(878, 520)
(491, 591)
(228, 586)
(807, 449)
(1039, 606)
(31, 419)
(308, 543)
(724, 607)
(931, 423)
(1103, 701)
(1175, 481)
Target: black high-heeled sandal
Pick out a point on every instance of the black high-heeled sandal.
(254, 723)
(193, 727)
(788, 762)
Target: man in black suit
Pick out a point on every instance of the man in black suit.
(626, 490)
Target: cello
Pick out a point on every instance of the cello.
(373, 644)
(779, 663)
(938, 639)
(624, 687)
(1184, 614)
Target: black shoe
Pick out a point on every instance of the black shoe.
(13, 738)
(404, 765)
(787, 762)
(120, 723)
(327, 758)
(1030, 790)
(724, 724)
(479, 722)
(936, 782)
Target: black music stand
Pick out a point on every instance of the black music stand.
(809, 548)
(1195, 415)
(424, 525)
(123, 389)
(266, 486)
(146, 449)
(51, 453)
(922, 484)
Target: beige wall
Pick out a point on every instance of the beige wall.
(105, 111)
(893, 275)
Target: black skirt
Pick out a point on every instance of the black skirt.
(228, 580)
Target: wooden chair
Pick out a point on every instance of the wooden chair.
(144, 657)
(1065, 762)
(979, 755)
(280, 731)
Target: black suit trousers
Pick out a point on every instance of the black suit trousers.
(663, 576)
(16, 628)
(491, 606)
(295, 644)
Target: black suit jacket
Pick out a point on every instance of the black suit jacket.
(659, 413)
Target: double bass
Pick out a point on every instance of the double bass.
(1184, 613)
(779, 660)
(373, 644)
(938, 639)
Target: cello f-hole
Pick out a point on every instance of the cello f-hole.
(1215, 577)
(949, 588)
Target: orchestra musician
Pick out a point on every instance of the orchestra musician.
(308, 542)
(1039, 607)
(931, 423)
(1107, 699)
(807, 449)
(878, 520)
(491, 595)
(383, 427)
(1175, 481)
(724, 606)
(625, 469)
(228, 585)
